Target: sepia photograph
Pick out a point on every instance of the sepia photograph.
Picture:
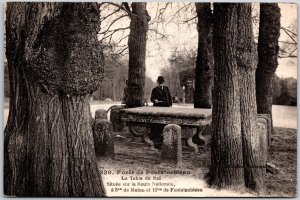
(150, 99)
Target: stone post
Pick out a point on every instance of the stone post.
(115, 118)
(100, 114)
(103, 138)
(171, 153)
(268, 126)
(262, 139)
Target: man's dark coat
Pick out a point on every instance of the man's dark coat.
(162, 94)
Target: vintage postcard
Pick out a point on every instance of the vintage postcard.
(148, 99)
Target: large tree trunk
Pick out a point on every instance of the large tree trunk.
(204, 65)
(269, 32)
(236, 157)
(55, 62)
(254, 163)
(226, 143)
(137, 54)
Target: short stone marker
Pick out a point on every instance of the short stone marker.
(268, 126)
(100, 114)
(103, 138)
(115, 118)
(171, 153)
(261, 139)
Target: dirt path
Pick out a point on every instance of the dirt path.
(138, 158)
(139, 167)
(136, 161)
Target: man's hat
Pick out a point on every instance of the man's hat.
(160, 79)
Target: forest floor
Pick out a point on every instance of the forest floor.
(134, 157)
(134, 161)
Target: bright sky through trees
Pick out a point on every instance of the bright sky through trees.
(174, 33)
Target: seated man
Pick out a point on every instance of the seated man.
(160, 96)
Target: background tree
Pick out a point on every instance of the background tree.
(55, 61)
(136, 47)
(233, 152)
(285, 91)
(276, 87)
(113, 83)
(204, 64)
(116, 26)
(180, 60)
(269, 31)
(115, 74)
(137, 53)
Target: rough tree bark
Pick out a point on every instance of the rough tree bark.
(137, 54)
(269, 32)
(55, 62)
(235, 151)
(253, 158)
(226, 144)
(204, 64)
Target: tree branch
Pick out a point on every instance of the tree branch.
(295, 34)
(122, 8)
(112, 33)
(123, 38)
(190, 19)
(114, 30)
(159, 13)
(285, 42)
(157, 32)
(178, 11)
(107, 16)
(287, 32)
(121, 52)
(288, 56)
(112, 23)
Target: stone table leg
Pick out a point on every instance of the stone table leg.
(139, 130)
(192, 144)
(188, 133)
(147, 140)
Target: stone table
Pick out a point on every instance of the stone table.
(140, 119)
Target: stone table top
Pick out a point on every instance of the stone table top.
(180, 112)
(167, 115)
